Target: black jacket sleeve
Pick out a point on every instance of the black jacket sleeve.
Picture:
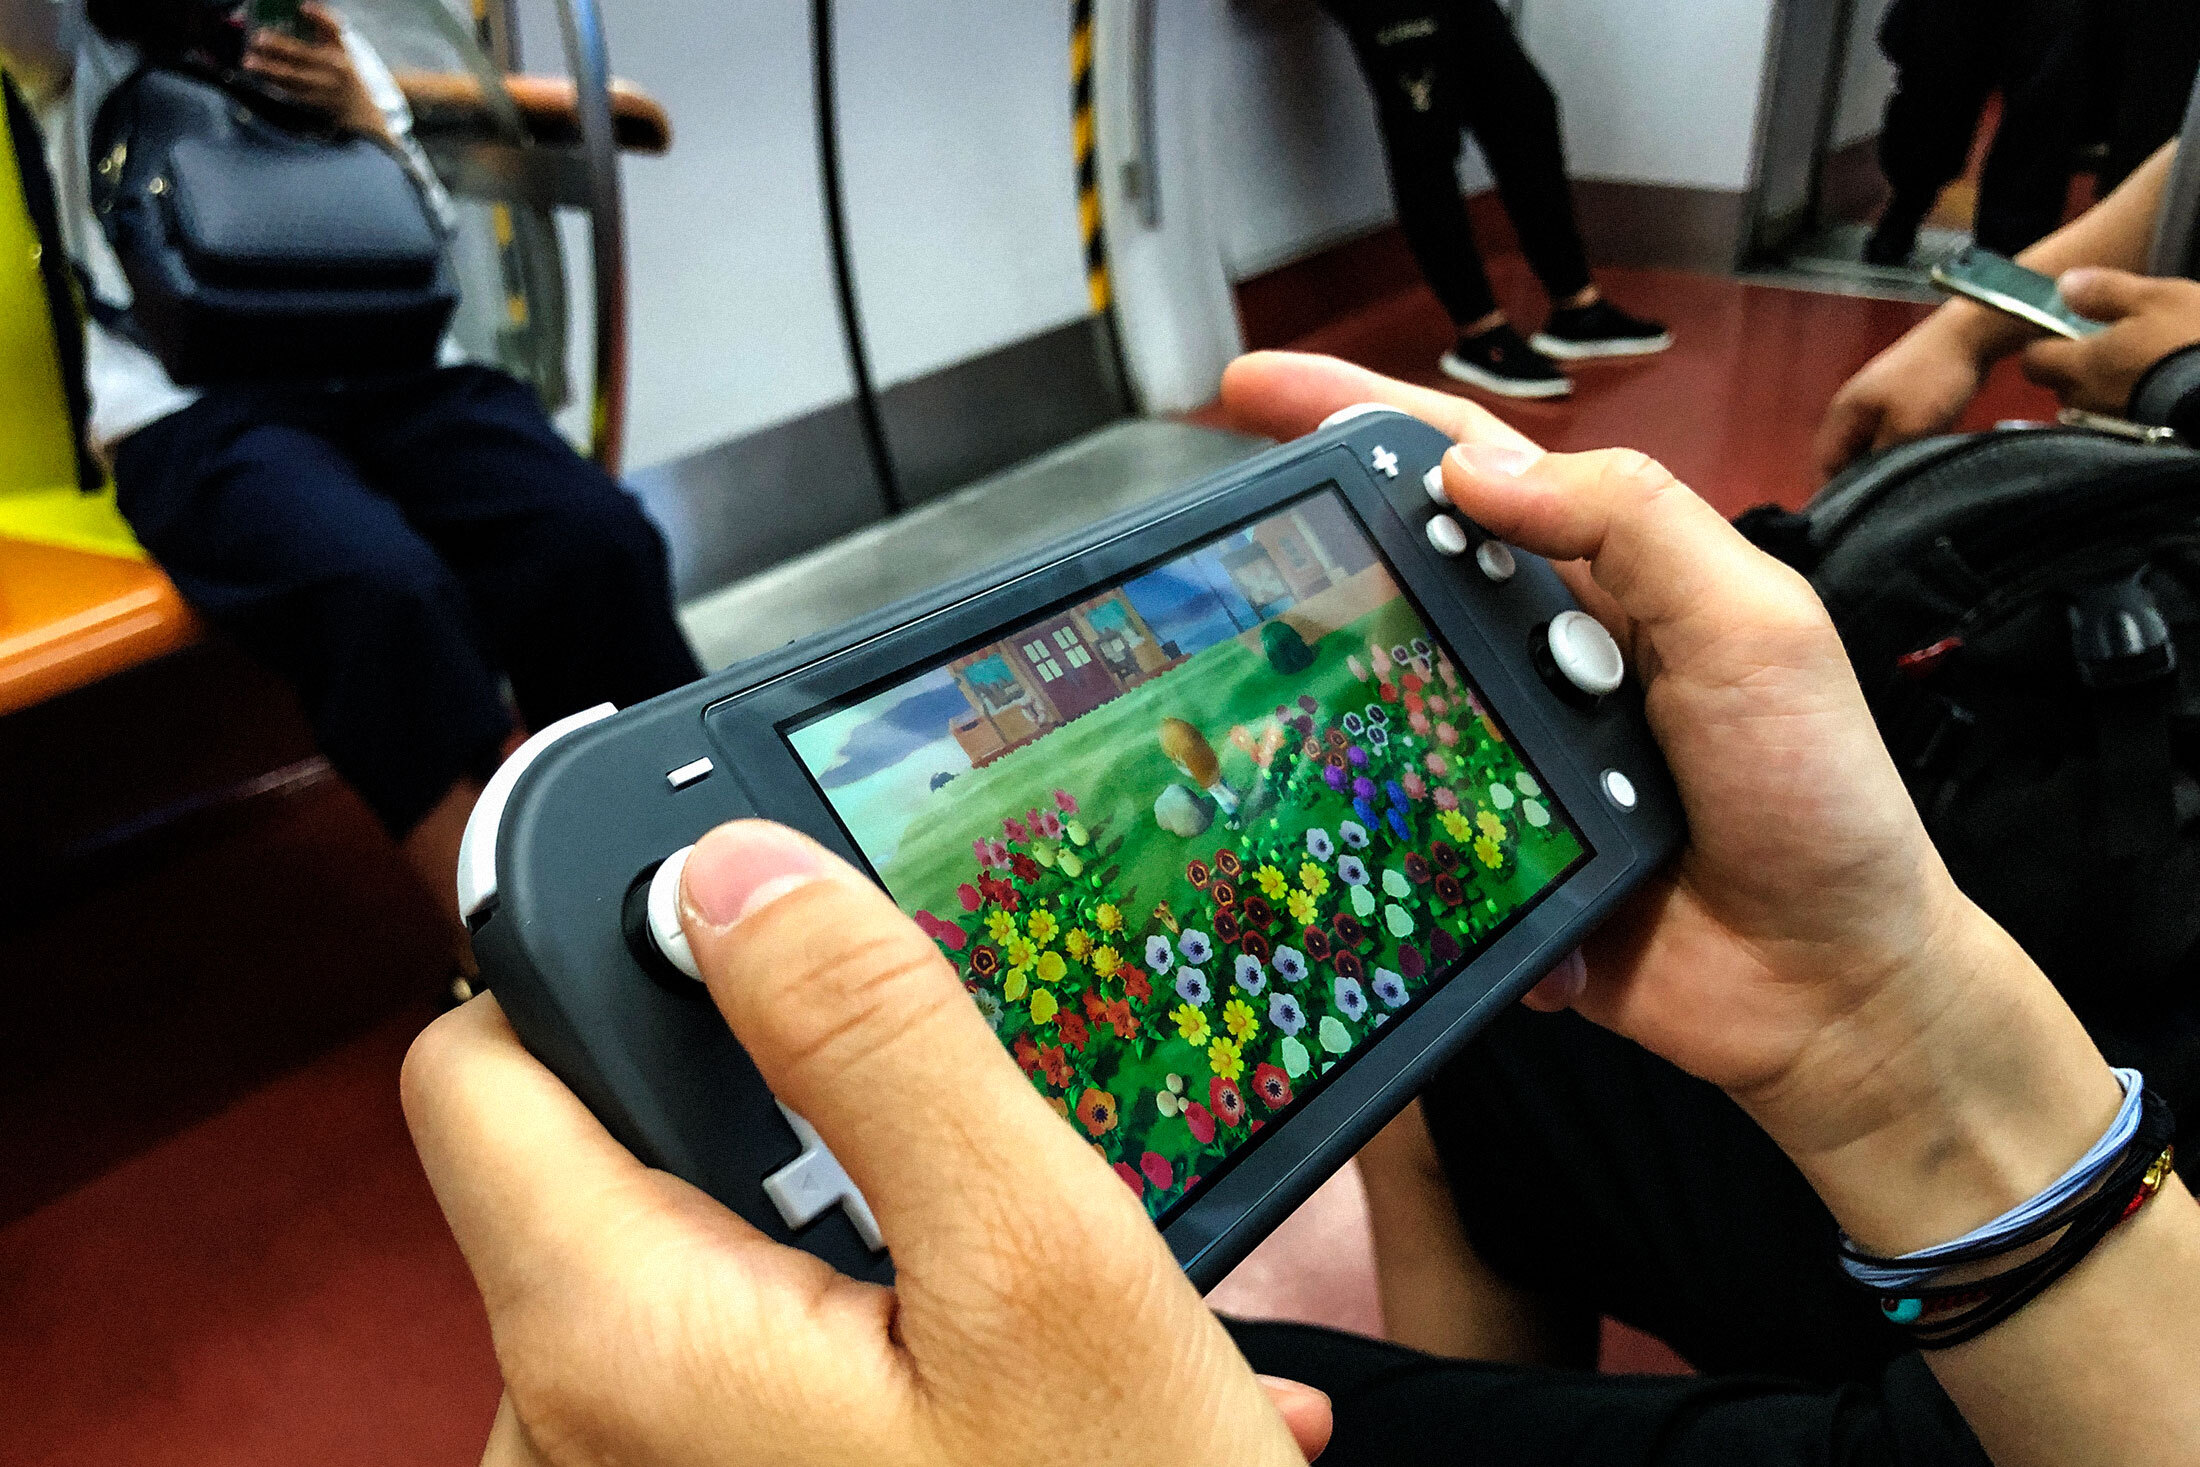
(2168, 396)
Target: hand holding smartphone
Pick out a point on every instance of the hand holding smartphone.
(282, 16)
(2001, 283)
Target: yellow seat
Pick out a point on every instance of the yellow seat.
(78, 598)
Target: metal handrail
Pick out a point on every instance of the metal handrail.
(588, 59)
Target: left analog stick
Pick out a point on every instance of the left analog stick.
(663, 923)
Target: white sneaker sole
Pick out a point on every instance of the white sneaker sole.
(1561, 349)
(1460, 370)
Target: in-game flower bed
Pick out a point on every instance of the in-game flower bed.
(1386, 837)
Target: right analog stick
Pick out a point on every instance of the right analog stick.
(1579, 657)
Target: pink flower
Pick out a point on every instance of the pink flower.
(947, 934)
(1446, 800)
(1015, 829)
(969, 896)
(1436, 764)
(1418, 722)
(992, 855)
(1130, 1178)
(1047, 823)
(1446, 735)
(1437, 703)
(1416, 788)
(1357, 668)
(1157, 1170)
(1202, 1122)
(1064, 803)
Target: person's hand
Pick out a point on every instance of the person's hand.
(1036, 1315)
(2148, 318)
(317, 72)
(1914, 389)
(1809, 953)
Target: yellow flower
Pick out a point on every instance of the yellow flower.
(1492, 827)
(1042, 927)
(1020, 953)
(1224, 1059)
(1271, 883)
(1190, 1023)
(1237, 1017)
(1043, 1007)
(999, 925)
(1105, 960)
(1456, 825)
(1301, 907)
(1109, 918)
(1078, 943)
(1486, 850)
(1014, 982)
(1051, 968)
(1313, 878)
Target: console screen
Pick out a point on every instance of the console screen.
(1192, 840)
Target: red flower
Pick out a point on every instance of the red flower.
(1257, 912)
(1072, 1029)
(1025, 868)
(1414, 682)
(985, 962)
(1226, 861)
(1229, 1105)
(1349, 965)
(1121, 1020)
(1055, 1063)
(1349, 931)
(1131, 1179)
(1446, 858)
(1445, 946)
(1417, 870)
(1064, 803)
(1197, 873)
(969, 896)
(1201, 1122)
(1390, 692)
(1157, 1170)
(1410, 962)
(1226, 925)
(1449, 891)
(1224, 893)
(1096, 1007)
(943, 932)
(1316, 943)
(1136, 984)
(1337, 739)
(1414, 703)
(1015, 829)
(1272, 1086)
(1255, 943)
(1027, 1053)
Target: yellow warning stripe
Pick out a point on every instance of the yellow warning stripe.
(1084, 141)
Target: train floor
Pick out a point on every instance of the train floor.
(272, 1283)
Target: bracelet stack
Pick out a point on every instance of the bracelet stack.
(1957, 1291)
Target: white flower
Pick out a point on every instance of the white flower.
(1159, 955)
(1502, 797)
(1353, 834)
(1319, 845)
(1526, 783)
(1195, 946)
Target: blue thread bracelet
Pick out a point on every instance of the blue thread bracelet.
(2025, 1223)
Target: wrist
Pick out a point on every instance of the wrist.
(1961, 1088)
(1982, 336)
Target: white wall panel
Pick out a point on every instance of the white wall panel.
(1867, 78)
(959, 176)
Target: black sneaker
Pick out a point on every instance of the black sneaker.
(1894, 239)
(1600, 330)
(1498, 361)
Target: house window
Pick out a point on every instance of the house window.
(1073, 647)
(997, 687)
(1041, 657)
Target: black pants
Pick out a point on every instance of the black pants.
(1439, 66)
(396, 549)
(2150, 52)
(1595, 1174)
(1950, 56)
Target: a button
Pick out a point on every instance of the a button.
(1496, 559)
(1619, 789)
(1384, 462)
(811, 1185)
(1447, 535)
(687, 774)
(1433, 483)
(664, 914)
(1585, 654)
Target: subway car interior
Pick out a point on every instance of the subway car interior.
(749, 323)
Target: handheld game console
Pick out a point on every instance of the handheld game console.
(1237, 817)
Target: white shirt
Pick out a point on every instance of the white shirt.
(129, 387)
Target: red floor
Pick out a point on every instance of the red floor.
(274, 1285)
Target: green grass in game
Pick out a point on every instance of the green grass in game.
(1170, 994)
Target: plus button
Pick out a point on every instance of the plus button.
(1385, 462)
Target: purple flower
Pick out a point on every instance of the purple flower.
(1379, 737)
(1363, 788)
(1356, 756)
(1333, 777)
(1377, 715)
(1306, 701)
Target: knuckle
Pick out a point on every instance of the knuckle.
(1628, 473)
(849, 994)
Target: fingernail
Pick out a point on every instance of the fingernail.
(738, 870)
(1281, 1388)
(1491, 461)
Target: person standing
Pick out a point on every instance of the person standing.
(1438, 67)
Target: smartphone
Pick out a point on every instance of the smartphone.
(276, 15)
(2000, 282)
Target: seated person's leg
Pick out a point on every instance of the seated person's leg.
(567, 574)
(270, 533)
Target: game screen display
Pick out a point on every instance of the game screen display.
(1193, 840)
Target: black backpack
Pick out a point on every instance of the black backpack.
(258, 248)
(2023, 610)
